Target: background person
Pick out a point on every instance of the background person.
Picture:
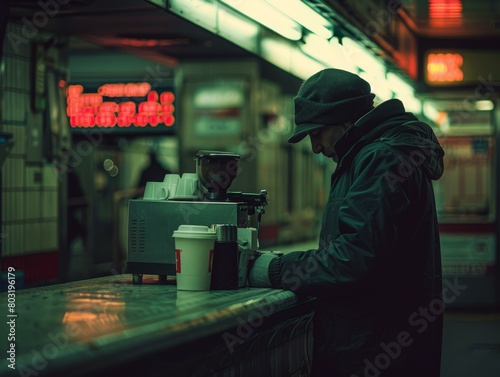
(153, 172)
(377, 269)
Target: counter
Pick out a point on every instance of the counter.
(103, 325)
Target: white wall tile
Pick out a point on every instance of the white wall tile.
(6, 106)
(17, 73)
(49, 177)
(13, 172)
(21, 106)
(16, 105)
(16, 42)
(3, 240)
(33, 205)
(50, 236)
(31, 174)
(12, 205)
(33, 237)
(18, 137)
(49, 204)
(29, 193)
(14, 240)
(6, 234)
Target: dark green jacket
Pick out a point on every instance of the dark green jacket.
(377, 270)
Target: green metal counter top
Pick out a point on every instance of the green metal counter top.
(84, 325)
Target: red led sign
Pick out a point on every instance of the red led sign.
(89, 110)
(444, 67)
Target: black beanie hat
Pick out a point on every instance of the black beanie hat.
(330, 97)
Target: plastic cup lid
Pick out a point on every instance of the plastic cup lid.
(194, 231)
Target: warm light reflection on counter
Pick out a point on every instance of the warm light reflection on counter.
(94, 314)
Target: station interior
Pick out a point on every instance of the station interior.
(222, 75)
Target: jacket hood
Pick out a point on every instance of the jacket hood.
(391, 124)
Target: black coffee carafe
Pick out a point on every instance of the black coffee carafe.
(225, 258)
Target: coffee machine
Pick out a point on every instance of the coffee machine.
(207, 201)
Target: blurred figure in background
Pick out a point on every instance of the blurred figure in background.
(377, 269)
(154, 172)
(77, 210)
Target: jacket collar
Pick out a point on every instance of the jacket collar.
(366, 124)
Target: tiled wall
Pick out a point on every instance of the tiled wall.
(29, 207)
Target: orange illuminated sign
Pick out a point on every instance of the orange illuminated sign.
(444, 13)
(89, 110)
(444, 67)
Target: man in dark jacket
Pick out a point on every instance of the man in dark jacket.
(377, 269)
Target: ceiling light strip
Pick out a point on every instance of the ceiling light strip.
(304, 15)
(267, 15)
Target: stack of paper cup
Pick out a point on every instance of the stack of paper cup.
(194, 249)
(171, 181)
(155, 191)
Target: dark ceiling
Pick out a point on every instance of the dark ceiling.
(142, 29)
(124, 24)
(121, 24)
(434, 19)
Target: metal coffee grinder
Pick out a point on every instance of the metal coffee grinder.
(151, 223)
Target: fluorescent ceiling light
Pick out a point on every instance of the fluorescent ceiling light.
(303, 66)
(411, 103)
(342, 60)
(236, 24)
(430, 110)
(289, 58)
(484, 105)
(238, 29)
(330, 53)
(221, 20)
(363, 58)
(268, 16)
(398, 85)
(304, 15)
(378, 86)
(318, 48)
(277, 52)
(200, 12)
(404, 92)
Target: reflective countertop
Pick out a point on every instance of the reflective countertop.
(87, 321)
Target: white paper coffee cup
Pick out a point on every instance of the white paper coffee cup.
(194, 249)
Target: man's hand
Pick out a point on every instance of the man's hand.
(259, 274)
